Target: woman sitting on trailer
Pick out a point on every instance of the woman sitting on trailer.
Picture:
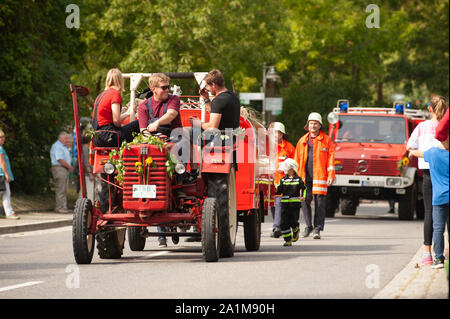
(106, 116)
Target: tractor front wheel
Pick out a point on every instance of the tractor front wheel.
(135, 239)
(82, 239)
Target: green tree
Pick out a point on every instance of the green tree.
(39, 53)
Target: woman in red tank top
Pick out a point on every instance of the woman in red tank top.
(106, 116)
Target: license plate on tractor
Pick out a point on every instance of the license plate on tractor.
(144, 191)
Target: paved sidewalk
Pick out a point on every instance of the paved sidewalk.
(34, 221)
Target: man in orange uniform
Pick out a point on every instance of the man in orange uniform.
(315, 157)
(284, 150)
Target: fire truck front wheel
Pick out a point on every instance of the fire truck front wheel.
(349, 206)
(407, 204)
(83, 241)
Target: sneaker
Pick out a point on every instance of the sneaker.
(426, 260)
(316, 235)
(296, 234)
(437, 264)
(12, 216)
(307, 232)
(391, 211)
(162, 244)
(287, 243)
(276, 233)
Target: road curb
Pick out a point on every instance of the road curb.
(34, 226)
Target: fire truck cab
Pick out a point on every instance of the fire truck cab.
(370, 158)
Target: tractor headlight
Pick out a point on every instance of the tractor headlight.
(180, 168)
(109, 168)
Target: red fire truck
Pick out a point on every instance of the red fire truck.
(370, 158)
(140, 201)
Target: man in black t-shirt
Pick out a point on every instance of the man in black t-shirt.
(225, 108)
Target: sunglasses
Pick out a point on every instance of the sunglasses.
(164, 87)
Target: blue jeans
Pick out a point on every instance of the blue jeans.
(440, 216)
(161, 229)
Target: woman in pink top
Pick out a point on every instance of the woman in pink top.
(422, 138)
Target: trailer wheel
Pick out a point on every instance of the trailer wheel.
(135, 239)
(407, 203)
(223, 188)
(349, 206)
(83, 241)
(110, 244)
(210, 236)
(252, 230)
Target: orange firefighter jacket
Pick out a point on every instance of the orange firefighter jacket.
(323, 161)
(285, 150)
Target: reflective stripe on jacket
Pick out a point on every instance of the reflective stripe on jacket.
(323, 161)
(285, 150)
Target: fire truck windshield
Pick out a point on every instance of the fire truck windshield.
(373, 129)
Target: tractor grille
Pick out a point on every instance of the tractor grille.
(157, 176)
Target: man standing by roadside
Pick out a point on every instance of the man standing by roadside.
(315, 157)
(61, 167)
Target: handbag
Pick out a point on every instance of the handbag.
(2, 183)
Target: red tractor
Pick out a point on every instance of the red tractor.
(370, 158)
(225, 192)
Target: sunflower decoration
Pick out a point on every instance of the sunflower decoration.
(401, 164)
(138, 167)
(148, 163)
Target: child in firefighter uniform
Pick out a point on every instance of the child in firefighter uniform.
(292, 191)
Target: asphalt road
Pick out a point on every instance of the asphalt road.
(356, 258)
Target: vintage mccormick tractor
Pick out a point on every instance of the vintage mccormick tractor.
(225, 192)
(370, 158)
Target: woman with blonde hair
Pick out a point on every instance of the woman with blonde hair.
(422, 139)
(107, 117)
(7, 175)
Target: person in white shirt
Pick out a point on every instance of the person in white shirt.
(422, 139)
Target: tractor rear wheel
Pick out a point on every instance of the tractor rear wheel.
(110, 244)
(135, 239)
(210, 237)
(83, 241)
(223, 188)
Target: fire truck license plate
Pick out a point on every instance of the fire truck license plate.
(144, 191)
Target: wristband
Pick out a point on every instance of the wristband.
(207, 101)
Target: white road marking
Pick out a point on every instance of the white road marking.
(30, 283)
(157, 254)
